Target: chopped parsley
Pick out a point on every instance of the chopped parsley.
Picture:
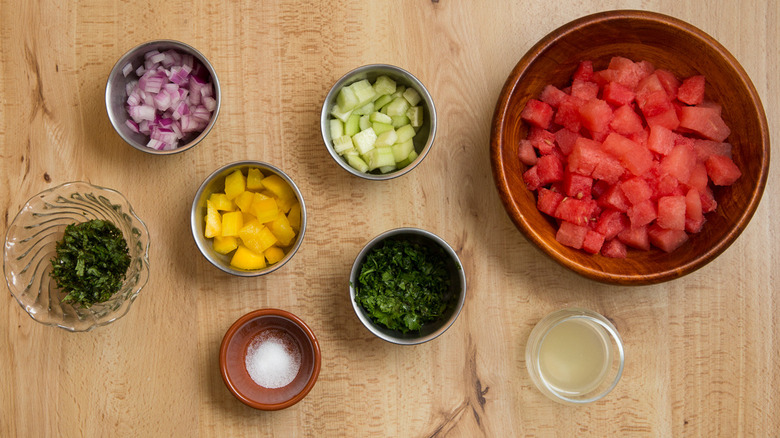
(404, 284)
(91, 262)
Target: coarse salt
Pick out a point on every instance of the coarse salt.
(273, 359)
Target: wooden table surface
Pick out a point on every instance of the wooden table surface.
(701, 351)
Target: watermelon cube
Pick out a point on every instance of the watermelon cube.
(626, 121)
(576, 185)
(679, 163)
(666, 240)
(568, 114)
(577, 211)
(704, 121)
(614, 199)
(661, 140)
(671, 212)
(584, 71)
(722, 170)
(708, 203)
(627, 71)
(585, 156)
(699, 178)
(611, 223)
(537, 113)
(550, 169)
(571, 235)
(595, 115)
(584, 89)
(599, 188)
(635, 237)
(668, 119)
(635, 157)
(552, 96)
(526, 153)
(636, 189)
(642, 214)
(542, 139)
(615, 93)
(669, 82)
(614, 249)
(565, 140)
(692, 90)
(705, 148)
(694, 216)
(548, 200)
(593, 242)
(531, 178)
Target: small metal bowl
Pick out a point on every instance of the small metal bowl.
(215, 183)
(116, 94)
(430, 330)
(422, 141)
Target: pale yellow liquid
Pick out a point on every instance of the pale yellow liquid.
(574, 356)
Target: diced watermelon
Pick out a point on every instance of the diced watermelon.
(550, 169)
(708, 203)
(651, 96)
(640, 136)
(565, 140)
(552, 96)
(679, 163)
(626, 121)
(585, 156)
(548, 200)
(542, 139)
(615, 199)
(593, 242)
(671, 212)
(635, 157)
(584, 89)
(603, 77)
(577, 186)
(527, 153)
(692, 90)
(710, 104)
(595, 115)
(666, 240)
(636, 189)
(611, 223)
(666, 185)
(531, 179)
(568, 114)
(704, 121)
(705, 148)
(584, 71)
(635, 237)
(608, 169)
(722, 170)
(642, 214)
(599, 188)
(661, 140)
(537, 113)
(570, 234)
(694, 216)
(669, 81)
(614, 249)
(577, 211)
(627, 71)
(668, 119)
(617, 94)
(699, 178)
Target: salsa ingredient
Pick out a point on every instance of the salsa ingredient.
(626, 156)
(91, 262)
(404, 284)
(273, 359)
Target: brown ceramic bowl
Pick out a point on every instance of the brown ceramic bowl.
(233, 352)
(670, 44)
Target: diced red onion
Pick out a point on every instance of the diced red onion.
(132, 125)
(127, 69)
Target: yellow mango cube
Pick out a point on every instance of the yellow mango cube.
(246, 259)
(273, 254)
(235, 183)
(244, 201)
(232, 222)
(254, 179)
(294, 216)
(281, 229)
(264, 208)
(213, 221)
(285, 196)
(224, 245)
(221, 202)
(256, 236)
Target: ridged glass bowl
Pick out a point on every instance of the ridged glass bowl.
(30, 245)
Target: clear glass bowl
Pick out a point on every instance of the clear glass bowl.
(30, 245)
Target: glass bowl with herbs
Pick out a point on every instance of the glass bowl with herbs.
(407, 286)
(76, 256)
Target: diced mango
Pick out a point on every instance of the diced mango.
(256, 236)
(245, 258)
(254, 179)
(294, 216)
(281, 229)
(213, 221)
(221, 202)
(231, 223)
(224, 245)
(244, 201)
(285, 196)
(273, 254)
(235, 183)
(264, 208)
(248, 217)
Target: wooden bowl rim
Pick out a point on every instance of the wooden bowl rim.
(497, 135)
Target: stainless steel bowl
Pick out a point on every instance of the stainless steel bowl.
(429, 330)
(215, 183)
(422, 141)
(116, 95)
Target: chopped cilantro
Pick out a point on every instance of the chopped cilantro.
(404, 284)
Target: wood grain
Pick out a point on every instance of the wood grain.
(702, 351)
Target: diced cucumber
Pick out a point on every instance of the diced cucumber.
(408, 160)
(339, 114)
(365, 109)
(387, 169)
(386, 139)
(381, 118)
(415, 115)
(399, 121)
(351, 151)
(336, 128)
(399, 91)
(352, 126)
(365, 122)
(342, 144)
(364, 92)
(379, 128)
(380, 157)
(382, 101)
(405, 132)
(412, 96)
(401, 151)
(358, 163)
(397, 107)
(347, 100)
(384, 85)
(364, 140)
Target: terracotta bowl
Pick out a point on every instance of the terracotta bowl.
(670, 44)
(233, 352)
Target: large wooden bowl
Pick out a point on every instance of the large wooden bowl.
(670, 44)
